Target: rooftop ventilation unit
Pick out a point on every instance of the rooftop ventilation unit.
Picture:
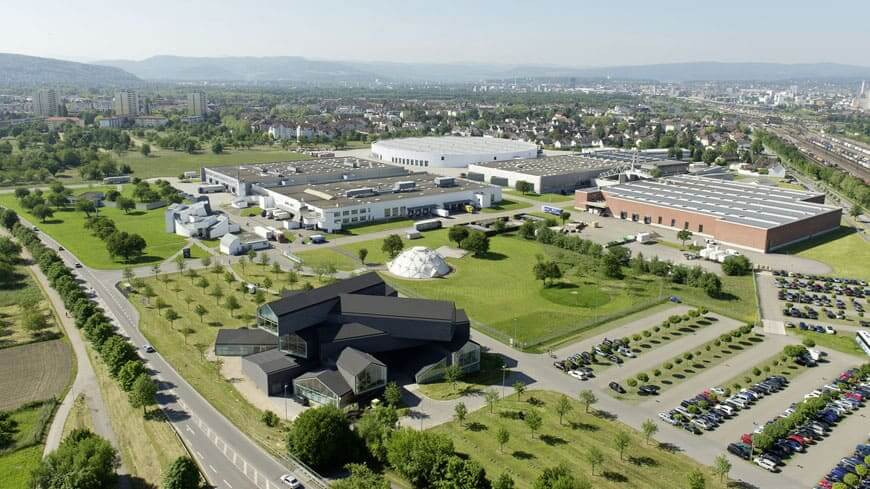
(444, 182)
(294, 169)
(404, 186)
(360, 192)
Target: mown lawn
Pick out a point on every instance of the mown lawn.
(490, 374)
(67, 227)
(24, 291)
(20, 458)
(843, 341)
(403, 224)
(506, 205)
(543, 198)
(844, 250)
(527, 454)
(168, 163)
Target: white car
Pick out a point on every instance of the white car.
(577, 374)
(626, 353)
(815, 393)
(148, 349)
(830, 330)
(765, 464)
(719, 391)
(290, 481)
(668, 419)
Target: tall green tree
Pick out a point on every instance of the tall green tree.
(321, 437)
(144, 393)
(182, 474)
(82, 461)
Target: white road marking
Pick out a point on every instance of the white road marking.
(228, 484)
(212, 468)
(188, 428)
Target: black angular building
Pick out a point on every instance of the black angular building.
(339, 342)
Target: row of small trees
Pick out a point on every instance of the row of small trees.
(122, 363)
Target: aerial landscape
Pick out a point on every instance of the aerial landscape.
(353, 246)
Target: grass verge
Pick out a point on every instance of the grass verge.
(844, 250)
(490, 374)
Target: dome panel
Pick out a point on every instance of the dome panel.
(419, 262)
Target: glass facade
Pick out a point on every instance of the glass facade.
(431, 373)
(294, 345)
(373, 377)
(315, 391)
(266, 319)
(468, 357)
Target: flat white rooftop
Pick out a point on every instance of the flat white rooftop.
(455, 145)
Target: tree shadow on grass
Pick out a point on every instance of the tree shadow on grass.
(578, 425)
(553, 440)
(476, 427)
(521, 455)
(614, 476)
(643, 461)
(601, 414)
(492, 256)
(670, 447)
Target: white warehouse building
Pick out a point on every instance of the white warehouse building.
(332, 206)
(450, 151)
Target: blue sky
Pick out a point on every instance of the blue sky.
(578, 33)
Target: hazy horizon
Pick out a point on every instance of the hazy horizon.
(557, 33)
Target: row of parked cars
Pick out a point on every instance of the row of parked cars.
(805, 277)
(846, 399)
(832, 308)
(578, 364)
(818, 328)
(711, 408)
(847, 465)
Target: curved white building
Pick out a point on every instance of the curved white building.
(450, 151)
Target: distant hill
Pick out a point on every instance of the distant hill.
(17, 69)
(299, 69)
(273, 68)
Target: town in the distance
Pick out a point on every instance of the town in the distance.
(283, 272)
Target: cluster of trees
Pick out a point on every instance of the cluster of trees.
(120, 357)
(160, 190)
(118, 243)
(476, 242)
(42, 154)
(852, 187)
(214, 133)
(613, 261)
(83, 460)
(42, 204)
(323, 438)
(736, 265)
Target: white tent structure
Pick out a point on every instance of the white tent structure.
(419, 262)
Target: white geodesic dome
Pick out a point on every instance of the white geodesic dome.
(419, 262)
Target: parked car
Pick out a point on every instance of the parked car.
(741, 450)
(577, 374)
(291, 481)
(148, 348)
(649, 390)
(616, 387)
(765, 464)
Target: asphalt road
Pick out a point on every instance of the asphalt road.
(228, 457)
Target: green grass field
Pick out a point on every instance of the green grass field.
(490, 374)
(400, 224)
(23, 291)
(168, 163)
(542, 198)
(18, 460)
(527, 454)
(843, 341)
(67, 227)
(519, 305)
(845, 251)
(506, 205)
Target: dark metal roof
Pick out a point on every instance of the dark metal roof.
(287, 305)
(397, 307)
(242, 336)
(348, 331)
(271, 361)
(331, 379)
(354, 361)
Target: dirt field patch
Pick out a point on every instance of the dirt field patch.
(34, 372)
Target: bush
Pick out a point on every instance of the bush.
(736, 265)
(657, 373)
(747, 379)
(668, 365)
(809, 342)
(642, 377)
(678, 361)
(631, 382)
(756, 372)
(270, 419)
(646, 333)
(656, 329)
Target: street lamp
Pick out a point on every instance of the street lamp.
(503, 372)
(285, 402)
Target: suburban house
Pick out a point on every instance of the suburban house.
(340, 343)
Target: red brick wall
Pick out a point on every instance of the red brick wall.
(581, 197)
(803, 229)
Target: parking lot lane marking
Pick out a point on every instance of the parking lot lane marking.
(212, 468)
(228, 484)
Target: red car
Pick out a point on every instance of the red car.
(855, 396)
(825, 484)
(746, 438)
(800, 439)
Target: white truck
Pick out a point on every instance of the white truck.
(264, 232)
(280, 215)
(643, 238)
(442, 212)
